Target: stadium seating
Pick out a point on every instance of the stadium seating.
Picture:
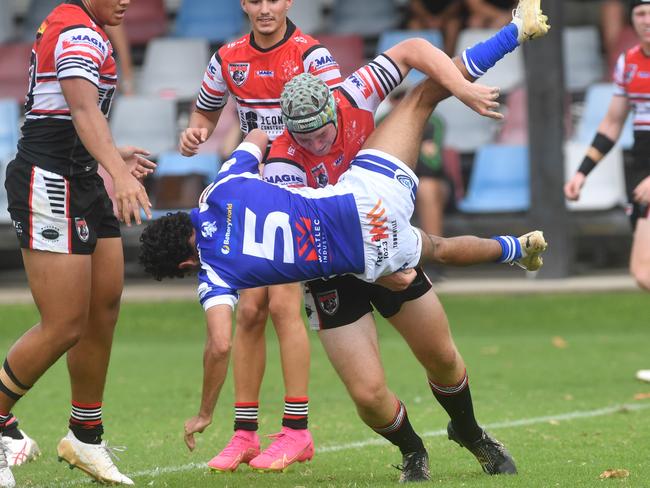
(500, 180)
(367, 18)
(465, 130)
(146, 122)
(14, 70)
(597, 100)
(583, 61)
(34, 16)
(9, 128)
(179, 180)
(307, 15)
(6, 21)
(174, 68)
(216, 21)
(515, 123)
(388, 39)
(145, 20)
(605, 186)
(347, 49)
(508, 73)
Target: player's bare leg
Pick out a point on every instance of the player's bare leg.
(640, 254)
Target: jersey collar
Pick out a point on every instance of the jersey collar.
(291, 29)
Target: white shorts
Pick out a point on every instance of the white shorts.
(384, 189)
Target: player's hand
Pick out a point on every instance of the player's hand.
(191, 139)
(194, 425)
(130, 196)
(480, 98)
(641, 193)
(135, 160)
(399, 280)
(573, 186)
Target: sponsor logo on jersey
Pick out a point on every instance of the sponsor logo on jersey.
(361, 83)
(377, 220)
(239, 72)
(51, 233)
(292, 150)
(300, 39)
(338, 160)
(322, 63)
(311, 243)
(284, 179)
(18, 227)
(82, 229)
(265, 73)
(320, 175)
(630, 71)
(644, 74)
(84, 39)
(208, 229)
(405, 180)
(225, 246)
(235, 43)
(328, 301)
(42, 28)
(212, 68)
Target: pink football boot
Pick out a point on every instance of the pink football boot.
(243, 447)
(289, 446)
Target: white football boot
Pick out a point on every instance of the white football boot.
(643, 375)
(6, 476)
(530, 21)
(19, 451)
(96, 460)
(532, 245)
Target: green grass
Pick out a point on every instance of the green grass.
(516, 373)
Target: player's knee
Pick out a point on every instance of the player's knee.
(284, 312)
(250, 316)
(370, 395)
(219, 349)
(443, 360)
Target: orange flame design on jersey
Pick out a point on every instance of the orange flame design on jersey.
(306, 241)
(379, 228)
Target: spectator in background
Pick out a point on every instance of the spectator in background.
(488, 14)
(443, 15)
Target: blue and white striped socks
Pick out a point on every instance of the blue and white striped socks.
(510, 249)
(484, 55)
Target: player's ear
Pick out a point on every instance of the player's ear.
(189, 263)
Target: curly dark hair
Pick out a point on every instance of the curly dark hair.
(164, 245)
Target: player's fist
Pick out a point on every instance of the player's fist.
(191, 139)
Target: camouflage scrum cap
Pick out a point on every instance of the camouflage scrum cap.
(307, 104)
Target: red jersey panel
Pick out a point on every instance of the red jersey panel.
(69, 44)
(256, 77)
(357, 98)
(632, 78)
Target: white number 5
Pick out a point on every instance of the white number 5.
(266, 248)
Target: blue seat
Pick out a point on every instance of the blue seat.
(216, 21)
(172, 163)
(9, 127)
(390, 38)
(597, 101)
(500, 180)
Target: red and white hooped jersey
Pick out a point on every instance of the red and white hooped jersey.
(632, 80)
(256, 77)
(69, 44)
(357, 99)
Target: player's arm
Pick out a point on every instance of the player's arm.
(82, 97)
(417, 53)
(200, 128)
(215, 367)
(607, 134)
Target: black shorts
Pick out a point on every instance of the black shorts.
(345, 299)
(54, 213)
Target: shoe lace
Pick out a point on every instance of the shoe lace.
(277, 446)
(110, 452)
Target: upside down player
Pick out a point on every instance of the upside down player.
(239, 215)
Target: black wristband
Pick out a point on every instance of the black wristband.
(586, 166)
(602, 143)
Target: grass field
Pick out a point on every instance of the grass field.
(550, 373)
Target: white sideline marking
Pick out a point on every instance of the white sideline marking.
(434, 433)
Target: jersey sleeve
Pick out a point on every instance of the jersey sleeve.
(211, 293)
(369, 85)
(214, 91)
(319, 62)
(80, 53)
(620, 87)
(280, 166)
(245, 159)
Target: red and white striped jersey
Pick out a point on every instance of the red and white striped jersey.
(357, 99)
(632, 80)
(69, 44)
(256, 77)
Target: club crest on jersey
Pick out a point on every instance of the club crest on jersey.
(239, 72)
(320, 175)
(82, 229)
(208, 229)
(328, 301)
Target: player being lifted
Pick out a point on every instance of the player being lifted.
(239, 217)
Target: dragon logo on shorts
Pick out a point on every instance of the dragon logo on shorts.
(239, 72)
(82, 229)
(328, 301)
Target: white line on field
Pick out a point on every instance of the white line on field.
(580, 414)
